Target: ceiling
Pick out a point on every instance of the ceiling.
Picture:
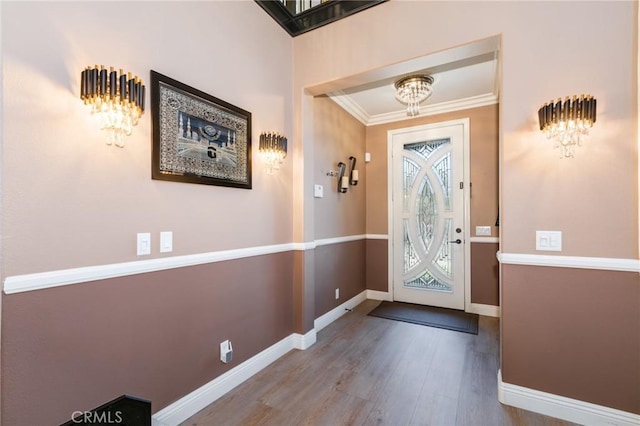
(464, 77)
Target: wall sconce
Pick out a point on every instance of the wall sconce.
(343, 181)
(353, 173)
(566, 121)
(118, 100)
(273, 149)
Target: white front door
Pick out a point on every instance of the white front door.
(429, 214)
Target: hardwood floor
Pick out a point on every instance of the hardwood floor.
(373, 371)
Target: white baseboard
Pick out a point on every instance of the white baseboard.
(305, 341)
(190, 404)
(379, 295)
(486, 310)
(568, 409)
(334, 314)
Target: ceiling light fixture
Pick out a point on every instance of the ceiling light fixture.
(412, 91)
(566, 121)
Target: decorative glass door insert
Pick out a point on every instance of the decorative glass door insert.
(428, 217)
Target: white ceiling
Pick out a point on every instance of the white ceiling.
(464, 77)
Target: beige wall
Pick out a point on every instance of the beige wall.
(337, 136)
(483, 153)
(336, 55)
(592, 199)
(75, 202)
(68, 199)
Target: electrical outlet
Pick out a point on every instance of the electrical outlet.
(226, 351)
(337, 293)
(483, 230)
(549, 240)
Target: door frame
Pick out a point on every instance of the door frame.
(464, 122)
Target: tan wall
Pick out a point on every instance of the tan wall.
(68, 199)
(338, 266)
(539, 191)
(337, 136)
(485, 288)
(377, 265)
(152, 335)
(483, 153)
(576, 333)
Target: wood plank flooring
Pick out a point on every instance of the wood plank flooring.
(373, 371)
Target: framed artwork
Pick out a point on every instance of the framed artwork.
(198, 138)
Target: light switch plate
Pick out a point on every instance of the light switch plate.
(483, 230)
(318, 191)
(549, 240)
(367, 157)
(143, 243)
(166, 242)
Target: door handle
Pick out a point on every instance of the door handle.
(458, 241)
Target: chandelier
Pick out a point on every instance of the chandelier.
(412, 91)
(567, 121)
(273, 150)
(117, 100)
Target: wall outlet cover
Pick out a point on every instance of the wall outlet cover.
(226, 351)
(483, 230)
(549, 240)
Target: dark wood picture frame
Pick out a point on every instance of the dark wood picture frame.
(198, 138)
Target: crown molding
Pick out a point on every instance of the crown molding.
(348, 104)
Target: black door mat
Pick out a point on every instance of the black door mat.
(431, 316)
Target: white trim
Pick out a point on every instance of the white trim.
(304, 246)
(379, 295)
(348, 104)
(492, 240)
(377, 237)
(326, 319)
(200, 398)
(466, 178)
(304, 341)
(37, 281)
(195, 401)
(338, 240)
(42, 280)
(561, 407)
(603, 263)
(441, 108)
(481, 309)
